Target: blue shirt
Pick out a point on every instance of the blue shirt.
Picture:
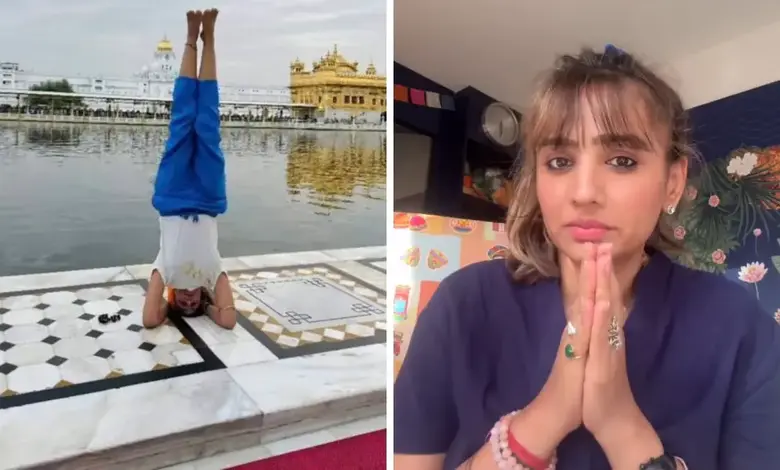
(703, 363)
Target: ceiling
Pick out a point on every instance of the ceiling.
(501, 46)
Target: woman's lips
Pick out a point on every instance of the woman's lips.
(584, 235)
(585, 231)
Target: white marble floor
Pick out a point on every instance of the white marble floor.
(380, 264)
(61, 338)
(248, 390)
(310, 308)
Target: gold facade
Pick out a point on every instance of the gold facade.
(336, 83)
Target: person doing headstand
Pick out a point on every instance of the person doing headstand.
(187, 278)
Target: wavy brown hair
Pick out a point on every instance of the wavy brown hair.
(605, 81)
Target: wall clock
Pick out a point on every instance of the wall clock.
(500, 124)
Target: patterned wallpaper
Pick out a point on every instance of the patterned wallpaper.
(732, 225)
(423, 250)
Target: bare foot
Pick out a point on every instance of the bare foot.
(194, 20)
(209, 19)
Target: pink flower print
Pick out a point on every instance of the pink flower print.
(756, 232)
(752, 273)
(679, 232)
(691, 193)
(714, 201)
(718, 257)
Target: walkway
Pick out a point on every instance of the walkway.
(308, 354)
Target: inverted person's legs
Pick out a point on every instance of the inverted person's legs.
(189, 60)
(185, 89)
(209, 160)
(174, 174)
(208, 62)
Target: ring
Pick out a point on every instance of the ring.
(568, 351)
(570, 329)
(614, 334)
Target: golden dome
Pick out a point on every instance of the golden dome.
(333, 60)
(297, 64)
(164, 45)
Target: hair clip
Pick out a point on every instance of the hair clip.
(612, 51)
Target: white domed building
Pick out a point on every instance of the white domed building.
(154, 80)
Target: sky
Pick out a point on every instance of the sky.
(256, 39)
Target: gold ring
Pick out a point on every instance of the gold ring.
(614, 334)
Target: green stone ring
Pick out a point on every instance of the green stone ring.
(568, 351)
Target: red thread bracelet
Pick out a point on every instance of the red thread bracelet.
(524, 455)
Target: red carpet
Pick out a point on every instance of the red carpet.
(364, 452)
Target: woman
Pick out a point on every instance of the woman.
(593, 350)
(189, 194)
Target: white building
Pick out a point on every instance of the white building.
(154, 80)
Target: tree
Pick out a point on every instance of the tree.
(56, 102)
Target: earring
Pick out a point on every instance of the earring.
(670, 209)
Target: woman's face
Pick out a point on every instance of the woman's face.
(594, 187)
(188, 300)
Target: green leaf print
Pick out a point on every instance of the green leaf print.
(776, 262)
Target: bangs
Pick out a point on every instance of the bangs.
(622, 112)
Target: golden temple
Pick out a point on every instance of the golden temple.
(334, 83)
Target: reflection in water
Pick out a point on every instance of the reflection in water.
(329, 172)
(54, 135)
(77, 197)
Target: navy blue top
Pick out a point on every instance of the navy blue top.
(703, 363)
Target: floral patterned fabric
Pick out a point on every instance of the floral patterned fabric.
(731, 224)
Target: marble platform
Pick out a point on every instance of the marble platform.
(286, 445)
(79, 392)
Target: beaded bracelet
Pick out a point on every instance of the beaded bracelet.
(506, 460)
(499, 443)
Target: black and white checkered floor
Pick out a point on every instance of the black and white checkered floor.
(52, 344)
